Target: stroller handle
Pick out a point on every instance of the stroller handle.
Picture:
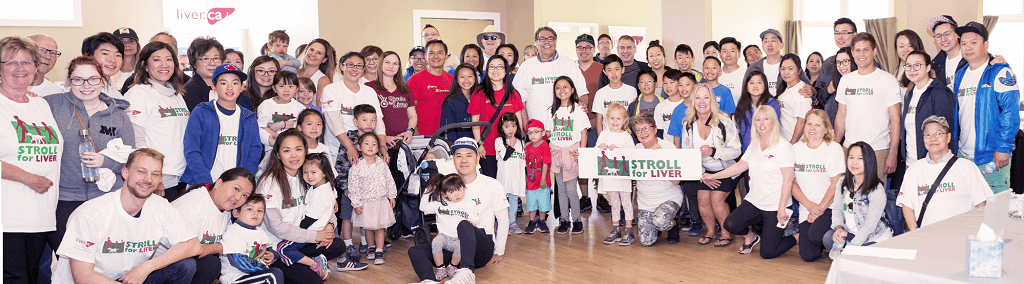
(433, 139)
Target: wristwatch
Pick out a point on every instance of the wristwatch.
(411, 130)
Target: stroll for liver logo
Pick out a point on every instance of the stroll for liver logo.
(562, 129)
(41, 140)
(612, 166)
(172, 111)
(130, 247)
(279, 117)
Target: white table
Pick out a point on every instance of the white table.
(941, 256)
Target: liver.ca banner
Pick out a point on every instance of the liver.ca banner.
(641, 164)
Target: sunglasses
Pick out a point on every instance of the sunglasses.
(490, 37)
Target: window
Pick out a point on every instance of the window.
(1006, 39)
(817, 16)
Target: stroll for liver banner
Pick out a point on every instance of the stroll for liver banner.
(641, 164)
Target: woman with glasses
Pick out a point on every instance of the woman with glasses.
(657, 201)
(844, 65)
(372, 53)
(483, 104)
(103, 118)
(30, 197)
(158, 111)
(926, 96)
(204, 55)
(261, 78)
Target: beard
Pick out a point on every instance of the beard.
(135, 192)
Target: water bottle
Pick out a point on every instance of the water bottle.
(989, 168)
(88, 174)
(837, 248)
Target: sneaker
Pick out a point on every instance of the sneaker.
(531, 227)
(627, 239)
(440, 273)
(363, 247)
(322, 268)
(602, 205)
(542, 226)
(463, 276)
(427, 281)
(686, 225)
(451, 270)
(352, 254)
(563, 227)
(585, 204)
(696, 229)
(387, 245)
(378, 258)
(577, 227)
(519, 210)
(346, 264)
(613, 237)
(369, 252)
(513, 228)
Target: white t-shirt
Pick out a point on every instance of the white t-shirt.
(238, 239)
(651, 193)
(961, 189)
(164, 115)
(511, 172)
(489, 196)
(771, 72)
(46, 88)
(867, 99)
(910, 122)
(227, 142)
(606, 96)
(535, 82)
(620, 140)
(663, 117)
(733, 81)
(102, 233)
(30, 140)
(198, 210)
(766, 174)
(292, 211)
(448, 217)
(320, 205)
(792, 107)
(966, 98)
(338, 97)
(814, 168)
(567, 127)
(951, 64)
(270, 111)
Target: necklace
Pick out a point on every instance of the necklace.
(94, 108)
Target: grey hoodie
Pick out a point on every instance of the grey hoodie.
(104, 125)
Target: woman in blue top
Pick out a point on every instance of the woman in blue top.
(753, 96)
(453, 110)
(220, 135)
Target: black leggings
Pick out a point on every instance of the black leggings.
(21, 256)
(690, 189)
(300, 273)
(476, 245)
(207, 269)
(773, 244)
(811, 234)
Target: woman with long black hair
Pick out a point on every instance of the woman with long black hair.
(485, 101)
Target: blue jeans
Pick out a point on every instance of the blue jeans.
(894, 213)
(513, 206)
(180, 272)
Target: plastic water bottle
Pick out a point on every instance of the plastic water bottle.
(88, 174)
(989, 168)
(837, 248)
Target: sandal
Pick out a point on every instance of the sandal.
(746, 249)
(719, 244)
(704, 240)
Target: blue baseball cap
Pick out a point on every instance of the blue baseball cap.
(417, 48)
(464, 142)
(228, 68)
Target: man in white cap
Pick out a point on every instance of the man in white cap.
(489, 40)
(48, 49)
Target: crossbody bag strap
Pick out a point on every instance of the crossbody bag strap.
(931, 191)
(497, 111)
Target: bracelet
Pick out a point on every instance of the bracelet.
(411, 130)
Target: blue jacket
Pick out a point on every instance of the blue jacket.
(201, 137)
(938, 100)
(996, 115)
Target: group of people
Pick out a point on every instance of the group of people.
(261, 176)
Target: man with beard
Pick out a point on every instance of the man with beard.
(115, 236)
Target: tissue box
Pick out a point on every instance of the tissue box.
(984, 259)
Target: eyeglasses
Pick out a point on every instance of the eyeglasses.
(490, 37)
(914, 67)
(77, 81)
(767, 41)
(584, 48)
(13, 64)
(209, 59)
(374, 59)
(52, 52)
(546, 39)
(844, 62)
(265, 72)
(353, 65)
(418, 58)
(842, 33)
(935, 135)
(643, 129)
(947, 34)
(534, 132)
(495, 67)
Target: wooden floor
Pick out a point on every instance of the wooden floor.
(546, 258)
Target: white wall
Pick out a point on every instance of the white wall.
(745, 20)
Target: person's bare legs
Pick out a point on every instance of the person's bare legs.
(720, 210)
(706, 212)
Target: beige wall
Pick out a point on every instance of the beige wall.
(745, 20)
(97, 17)
(684, 22)
(914, 14)
(636, 13)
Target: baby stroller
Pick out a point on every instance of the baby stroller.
(409, 219)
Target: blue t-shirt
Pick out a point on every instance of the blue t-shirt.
(724, 98)
(675, 126)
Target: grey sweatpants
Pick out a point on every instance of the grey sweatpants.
(568, 199)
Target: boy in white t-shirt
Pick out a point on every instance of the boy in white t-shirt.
(248, 252)
(614, 92)
(663, 112)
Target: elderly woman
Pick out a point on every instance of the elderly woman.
(30, 157)
(657, 200)
(86, 110)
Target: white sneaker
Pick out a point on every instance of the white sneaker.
(463, 276)
(426, 281)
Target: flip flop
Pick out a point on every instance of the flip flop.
(702, 241)
(749, 248)
(718, 245)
